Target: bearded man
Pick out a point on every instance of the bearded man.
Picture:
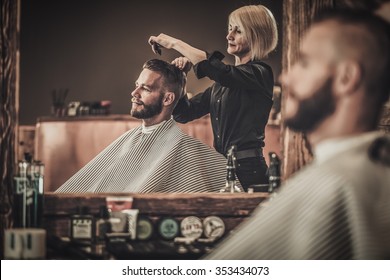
(156, 156)
(337, 207)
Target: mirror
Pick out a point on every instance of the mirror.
(95, 50)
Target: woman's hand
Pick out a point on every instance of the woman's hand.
(183, 64)
(162, 40)
(165, 41)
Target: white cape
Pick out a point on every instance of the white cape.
(166, 160)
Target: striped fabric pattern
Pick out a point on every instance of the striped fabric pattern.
(166, 160)
(337, 209)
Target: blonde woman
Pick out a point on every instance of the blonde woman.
(240, 100)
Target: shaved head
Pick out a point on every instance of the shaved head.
(341, 79)
(364, 38)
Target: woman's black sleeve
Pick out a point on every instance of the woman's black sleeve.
(189, 109)
(254, 75)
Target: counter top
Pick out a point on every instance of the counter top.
(231, 208)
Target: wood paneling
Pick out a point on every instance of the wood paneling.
(297, 16)
(9, 72)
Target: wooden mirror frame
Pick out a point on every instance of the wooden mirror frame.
(296, 151)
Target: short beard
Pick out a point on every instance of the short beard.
(313, 110)
(149, 111)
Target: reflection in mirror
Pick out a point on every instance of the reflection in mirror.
(95, 55)
(95, 49)
(67, 145)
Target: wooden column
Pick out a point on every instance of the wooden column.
(297, 16)
(9, 73)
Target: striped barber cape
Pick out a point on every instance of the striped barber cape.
(338, 207)
(165, 160)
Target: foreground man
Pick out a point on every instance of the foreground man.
(338, 207)
(157, 156)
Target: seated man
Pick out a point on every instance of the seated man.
(157, 156)
(338, 207)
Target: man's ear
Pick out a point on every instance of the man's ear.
(348, 78)
(169, 98)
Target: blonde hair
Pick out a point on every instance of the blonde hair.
(259, 26)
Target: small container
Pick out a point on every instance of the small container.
(274, 172)
(168, 228)
(145, 228)
(102, 225)
(82, 226)
(21, 192)
(118, 219)
(131, 218)
(214, 227)
(191, 227)
(73, 108)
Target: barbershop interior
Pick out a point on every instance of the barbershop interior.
(143, 130)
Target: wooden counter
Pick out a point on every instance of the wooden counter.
(231, 208)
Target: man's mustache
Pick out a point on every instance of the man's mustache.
(135, 100)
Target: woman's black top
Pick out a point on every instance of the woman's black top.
(239, 102)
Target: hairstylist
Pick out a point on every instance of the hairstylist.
(240, 100)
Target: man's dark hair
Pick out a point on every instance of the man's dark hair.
(373, 41)
(174, 79)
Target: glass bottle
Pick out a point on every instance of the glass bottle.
(273, 172)
(231, 184)
(102, 225)
(82, 226)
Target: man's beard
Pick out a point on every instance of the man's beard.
(149, 111)
(313, 110)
